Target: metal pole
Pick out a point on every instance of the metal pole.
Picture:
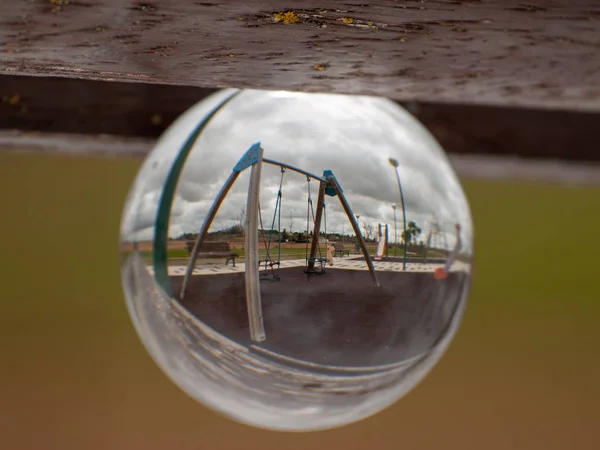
(253, 297)
(358, 225)
(248, 158)
(395, 164)
(387, 240)
(317, 227)
(403, 216)
(395, 230)
(381, 237)
(212, 212)
(293, 168)
(361, 242)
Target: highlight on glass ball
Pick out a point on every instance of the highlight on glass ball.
(296, 261)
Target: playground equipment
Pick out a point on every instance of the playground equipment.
(435, 238)
(323, 335)
(441, 273)
(328, 185)
(271, 267)
(315, 265)
(382, 244)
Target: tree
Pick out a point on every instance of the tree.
(412, 233)
(291, 222)
(242, 219)
(369, 231)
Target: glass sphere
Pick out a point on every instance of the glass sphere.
(296, 261)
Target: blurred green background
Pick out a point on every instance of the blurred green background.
(522, 373)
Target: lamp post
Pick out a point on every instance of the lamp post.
(395, 229)
(394, 163)
(357, 225)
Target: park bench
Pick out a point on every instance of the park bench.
(214, 250)
(340, 249)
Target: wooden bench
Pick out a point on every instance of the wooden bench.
(214, 250)
(340, 249)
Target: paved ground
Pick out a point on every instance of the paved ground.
(213, 267)
(339, 318)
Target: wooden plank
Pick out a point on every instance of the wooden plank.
(500, 52)
(145, 110)
(53, 104)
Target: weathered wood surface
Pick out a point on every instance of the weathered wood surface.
(501, 52)
(61, 105)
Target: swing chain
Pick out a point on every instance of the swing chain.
(276, 215)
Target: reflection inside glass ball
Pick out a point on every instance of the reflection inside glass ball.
(296, 261)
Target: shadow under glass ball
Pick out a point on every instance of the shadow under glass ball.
(296, 261)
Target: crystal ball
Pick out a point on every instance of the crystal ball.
(296, 261)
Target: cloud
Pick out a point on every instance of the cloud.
(350, 135)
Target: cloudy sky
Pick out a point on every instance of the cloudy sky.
(349, 135)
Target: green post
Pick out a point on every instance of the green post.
(163, 214)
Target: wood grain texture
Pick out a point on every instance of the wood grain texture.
(501, 52)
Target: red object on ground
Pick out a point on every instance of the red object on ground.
(440, 274)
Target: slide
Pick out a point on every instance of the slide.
(380, 253)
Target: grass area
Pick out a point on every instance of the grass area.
(173, 253)
(522, 372)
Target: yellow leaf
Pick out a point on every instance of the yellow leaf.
(14, 100)
(286, 17)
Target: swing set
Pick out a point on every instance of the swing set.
(314, 261)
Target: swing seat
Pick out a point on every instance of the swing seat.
(319, 260)
(315, 270)
(269, 263)
(266, 274)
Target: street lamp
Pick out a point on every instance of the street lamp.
(357, 227)
(395, 229)
(394, 163)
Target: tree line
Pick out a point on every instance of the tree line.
(413, 232)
